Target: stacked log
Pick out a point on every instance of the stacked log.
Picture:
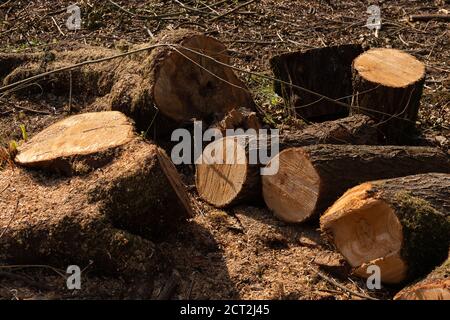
(402, 225)
(225, 183)
(311, 178)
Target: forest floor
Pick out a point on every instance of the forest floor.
(243, 253)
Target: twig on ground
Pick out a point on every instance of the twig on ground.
(427, 17)
(155, 17)
(26, 280)
(170, 287)
(12, 218)
(232, 10)
(340, 286)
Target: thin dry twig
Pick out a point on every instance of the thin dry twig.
(340, 286)
(232, 10)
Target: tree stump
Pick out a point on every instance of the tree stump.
(388, 85)
(311, 178)
(169, 81)
(127, 195)
(435, 286)
(225, 183)
(318, 70)
(401, 225)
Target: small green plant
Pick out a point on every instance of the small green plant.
(24, 132)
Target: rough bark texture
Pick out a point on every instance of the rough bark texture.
(340, 167)
(109, 216)
(381, 91)
(319, 70)
(421, 205)
(436, 286)
(159, 82)
(357, 129)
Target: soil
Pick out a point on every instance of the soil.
(243, 252)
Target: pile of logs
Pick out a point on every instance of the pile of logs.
(378, 203)
(89, 187)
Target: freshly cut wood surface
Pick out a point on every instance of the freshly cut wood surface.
(224, 183)
(79, 135)
(401, 225)
(389, 67)
(387, 85)
(311, 178)
(225, 175)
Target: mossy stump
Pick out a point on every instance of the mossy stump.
(110, 212)
(401, 225)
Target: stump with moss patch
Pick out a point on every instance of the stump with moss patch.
(401, 225)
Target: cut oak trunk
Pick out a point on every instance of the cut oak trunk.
(126, 194)
(319, 70)
(388, 85)
(172, 83)
(436, 286)
(224, 183)
(311, 178)
(401, 225)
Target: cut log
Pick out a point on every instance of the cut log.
(388, 86)
(169, 81)
(225, 183)
(311, 178)
(436, 286)
(318, 70)
(110, 215)
(401, 225)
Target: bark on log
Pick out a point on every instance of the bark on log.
(228, 183)
(318, 70)
(160, 81)
(436, 286)
(388, 85)
(109, 215)
(401, 225)
(311, 178)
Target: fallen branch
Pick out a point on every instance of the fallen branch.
(340, 286)
(428, 17)
(232, 10)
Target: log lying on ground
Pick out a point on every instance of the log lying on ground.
(311, 178)
(318, 70)
(175, 85)
(436, 286)
(401, 225)
(226, 183)
(388, 86)
(110, 215)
